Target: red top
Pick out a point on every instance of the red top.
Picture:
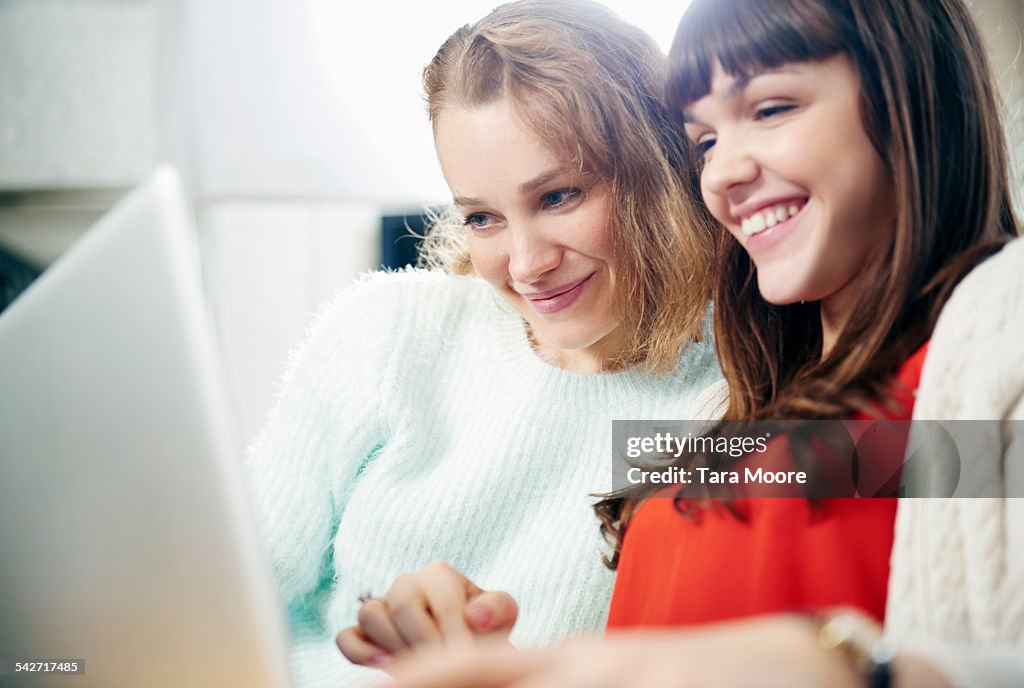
(786, 555)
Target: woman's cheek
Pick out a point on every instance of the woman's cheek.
(717, 205)
(487, 262)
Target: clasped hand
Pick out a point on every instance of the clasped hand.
(433, 606)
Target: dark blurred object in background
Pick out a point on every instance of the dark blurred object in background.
(15, 276)
(400, 239)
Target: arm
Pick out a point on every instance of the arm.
(324, 424)
(771, 651)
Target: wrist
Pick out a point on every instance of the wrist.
(859, 639)
(911, 670)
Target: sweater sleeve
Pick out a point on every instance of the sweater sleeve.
(991, 667)
(712, 402)
(324, 427)
(957, 571)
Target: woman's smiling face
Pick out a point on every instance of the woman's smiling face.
(790, 171)
(537, 229)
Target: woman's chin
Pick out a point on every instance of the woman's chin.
(574, 342)
(780, 292)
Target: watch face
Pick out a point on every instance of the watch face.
(858, 636)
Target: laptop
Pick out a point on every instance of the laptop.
(128, 551)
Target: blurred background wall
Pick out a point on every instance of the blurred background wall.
(297, 125)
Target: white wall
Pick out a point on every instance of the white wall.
(78, 98)
(1002, 22)
(96, 92)
(294, 123)
(268, 265)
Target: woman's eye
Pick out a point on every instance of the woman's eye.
(477, 221)
(557, 199)
(703, 146)
(772, 110)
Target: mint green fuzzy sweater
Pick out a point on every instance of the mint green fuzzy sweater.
(416, 423)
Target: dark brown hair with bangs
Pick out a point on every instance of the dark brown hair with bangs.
(929, 105)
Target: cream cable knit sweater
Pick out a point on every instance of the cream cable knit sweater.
(416, 423)
(956, 589)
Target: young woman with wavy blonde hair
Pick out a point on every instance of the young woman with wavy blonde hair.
(443, 430)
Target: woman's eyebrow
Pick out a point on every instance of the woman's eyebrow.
(735, 89)
(542, 179)
(525, 188)
(739, 84)
(465, 201)
(688, 118)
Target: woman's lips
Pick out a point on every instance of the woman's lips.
(557, 299)
(768, 238)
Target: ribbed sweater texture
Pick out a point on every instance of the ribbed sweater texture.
(956, 588)
(416, 423)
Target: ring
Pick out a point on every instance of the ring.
(365, 597)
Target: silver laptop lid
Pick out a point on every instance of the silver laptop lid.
(126, 538)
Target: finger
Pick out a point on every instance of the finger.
(447, 591)
(359, 649)
(409, 611)
(478, 666)
(375, 620)
(492, 611)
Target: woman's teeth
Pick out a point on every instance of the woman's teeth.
(769, 217)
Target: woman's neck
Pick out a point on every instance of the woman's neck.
(836, 310)
(599, 357)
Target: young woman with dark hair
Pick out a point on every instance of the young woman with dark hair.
(852, 153)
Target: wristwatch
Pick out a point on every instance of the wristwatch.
(857, 636)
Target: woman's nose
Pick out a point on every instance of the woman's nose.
(532, 255)
(729, 164)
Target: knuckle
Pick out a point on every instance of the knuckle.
(399, 589)
(437, 567)
(369, 611)
(404, 608)
(403, 583)
(509, 602)
(344, 641)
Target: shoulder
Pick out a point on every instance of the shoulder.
(698, 366)
(993, 291)
(411, 311)
(975, 364)
(985, 309)
(380, 287)
(398, 297)
(359, 334)
(712, 402)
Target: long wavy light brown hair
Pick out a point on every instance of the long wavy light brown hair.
(929, 104)
(589, 86)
